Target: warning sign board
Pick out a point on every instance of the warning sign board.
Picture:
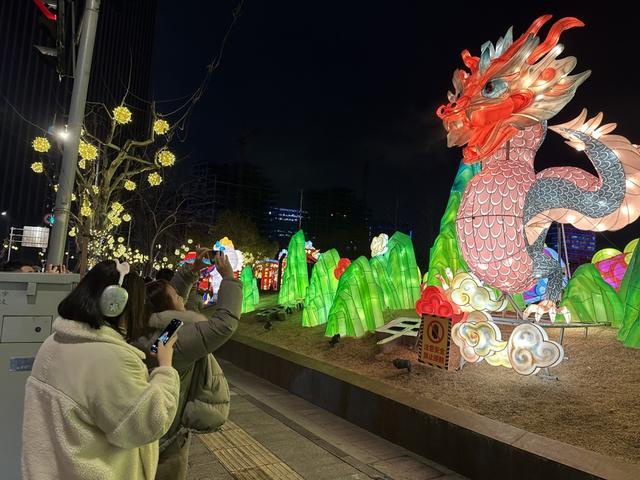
(435, 341)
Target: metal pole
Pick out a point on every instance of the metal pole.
(76, 116)
(10, 244)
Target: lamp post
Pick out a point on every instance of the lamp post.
(76, 116)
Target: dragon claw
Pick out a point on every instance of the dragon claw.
(548, 307)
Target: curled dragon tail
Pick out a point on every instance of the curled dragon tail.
(586, 207)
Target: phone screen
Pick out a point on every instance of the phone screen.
(166, 334)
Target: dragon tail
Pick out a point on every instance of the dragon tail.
(629, 156)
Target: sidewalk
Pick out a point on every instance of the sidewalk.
(273, 434)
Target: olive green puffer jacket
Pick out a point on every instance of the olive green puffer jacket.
(204, 392)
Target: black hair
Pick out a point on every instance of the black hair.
(83, 303)
(134, 317)
(158, 299)
(164, 274)
(14, 266)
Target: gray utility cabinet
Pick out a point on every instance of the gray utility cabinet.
(28, 306)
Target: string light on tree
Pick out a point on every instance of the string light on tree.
(130, 185)
(37, 167)
(85, 210)
(154, 179)
(126, 217)
(87, 151)
(160, 127)
(166, 158)
(41, 144)
(122, 115)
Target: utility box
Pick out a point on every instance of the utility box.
(28, 306)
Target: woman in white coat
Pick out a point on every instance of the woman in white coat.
(92, 410)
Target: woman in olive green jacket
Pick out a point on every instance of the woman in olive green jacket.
(204, 392)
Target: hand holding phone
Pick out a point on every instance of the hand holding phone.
(166, 334)
(165, 352)
(200, 262)
(223, 265)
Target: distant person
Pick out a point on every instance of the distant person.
(91, 408)
(204, 392)
(165, 274)
(18, 266)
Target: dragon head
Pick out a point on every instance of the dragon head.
(511, 86)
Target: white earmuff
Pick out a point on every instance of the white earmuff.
(114, 297)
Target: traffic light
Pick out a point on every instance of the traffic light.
(52, 18)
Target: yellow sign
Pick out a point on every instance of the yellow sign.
(435, 340)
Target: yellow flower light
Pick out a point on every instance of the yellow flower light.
(72, 232)
(55, 188)
(117, 207)
(160, 127)
(73, 197)
(176, 252)
(37, 167)
(82, 163)
(85, 210)
(166, 158)
(154, 179)
(130, 185)
(95, 189)
(87, 151)
(116, 221)
(126, 217)
(41, 144)
(189, 241)
(170, 266)
(122, 115)
(120, 239)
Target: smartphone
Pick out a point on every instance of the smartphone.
(169, 330)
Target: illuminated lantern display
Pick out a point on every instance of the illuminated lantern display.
(341, 267)
(236, 259)
(379, 245)
(465, 292)
(499, 111)
(592, 299)
(250, 293)
(381, 274)
(612, 263)
(295, 279)
(537, 292)
(322, 290)
(357, 307)
(403, 269)
(313, 254)
(445, 252)
(629, 293)
(612, 268)
(267, 272)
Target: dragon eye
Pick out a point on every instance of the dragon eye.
(494, 88)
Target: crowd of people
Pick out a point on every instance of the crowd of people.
(99, 404)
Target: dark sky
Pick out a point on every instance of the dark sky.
(326, 90)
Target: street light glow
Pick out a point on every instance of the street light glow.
(63, 134)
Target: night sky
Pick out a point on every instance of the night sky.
(326, 91)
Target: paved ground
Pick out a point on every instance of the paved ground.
(275, 435)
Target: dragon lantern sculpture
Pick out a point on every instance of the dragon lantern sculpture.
(499, 111)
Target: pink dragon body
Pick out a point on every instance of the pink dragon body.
(499, 111)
